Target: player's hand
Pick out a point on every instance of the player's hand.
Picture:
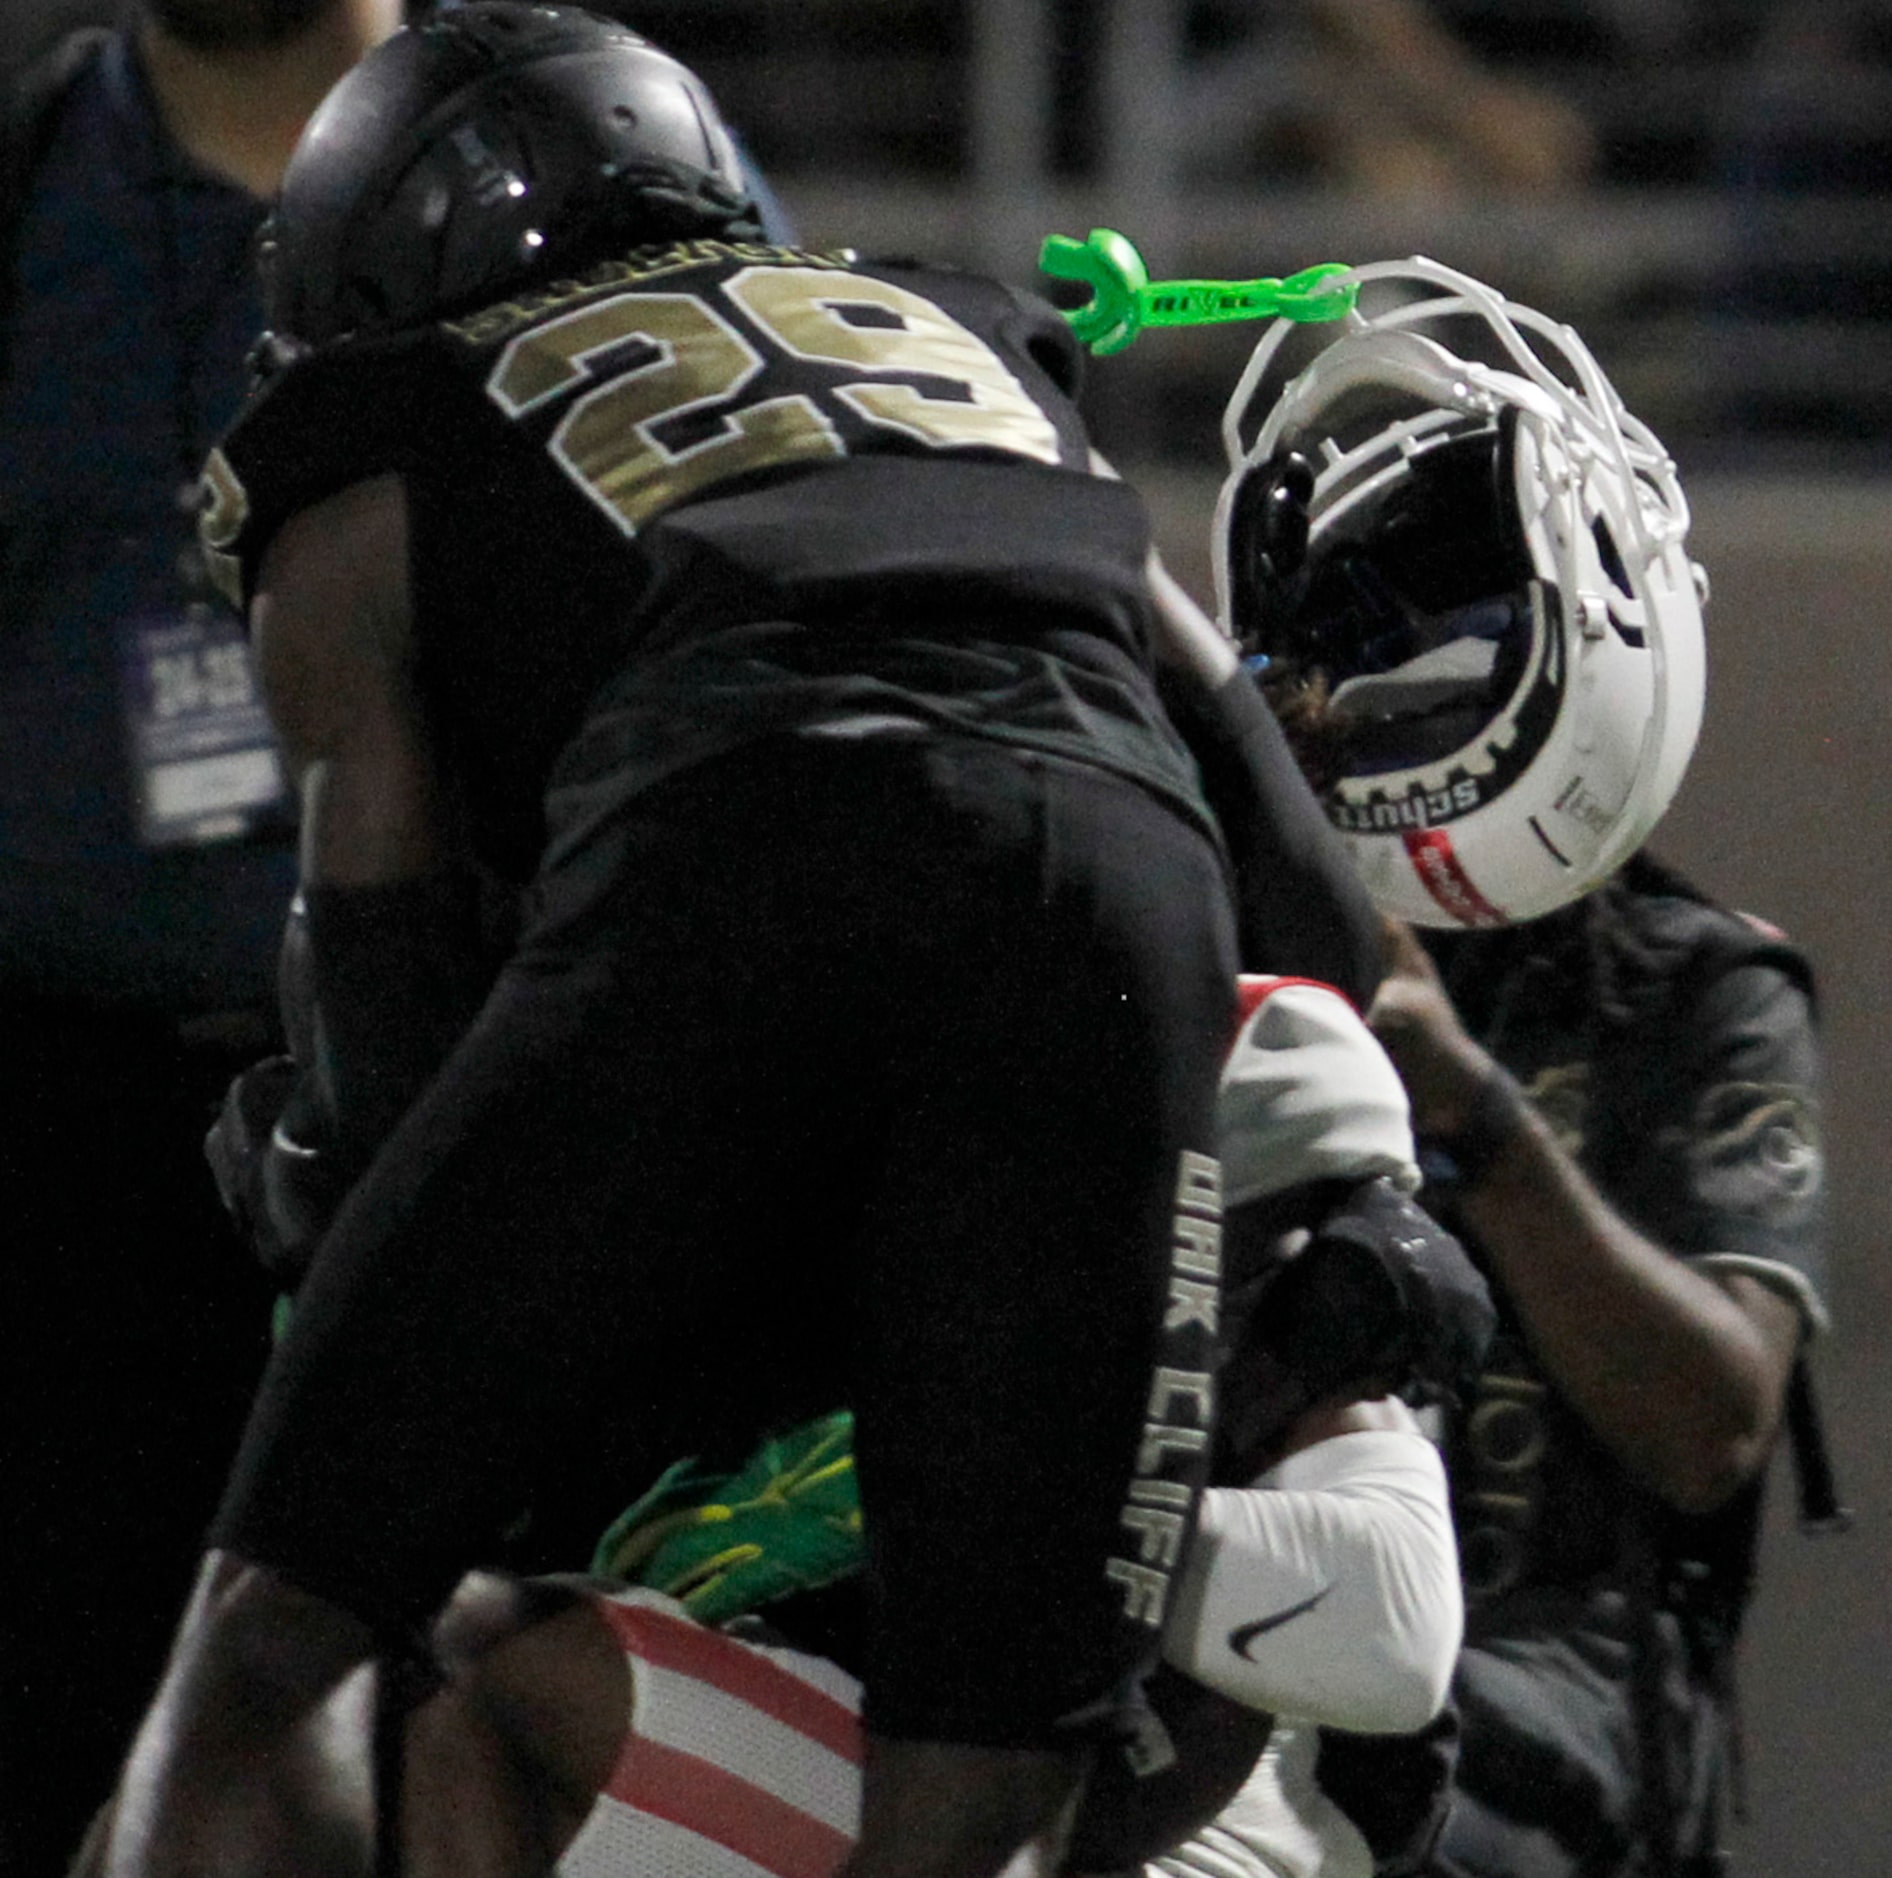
(274, 1172)
(723, 1545)
(1367, 1295)
(1382, 1298)
(1442, 1066)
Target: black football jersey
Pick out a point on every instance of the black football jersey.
(687, 440)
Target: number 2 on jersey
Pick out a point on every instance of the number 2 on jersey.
(608, 441)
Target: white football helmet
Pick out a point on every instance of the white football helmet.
(1450, 515)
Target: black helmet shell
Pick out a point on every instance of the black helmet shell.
(491, 147)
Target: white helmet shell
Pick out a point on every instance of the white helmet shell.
(1568, 720)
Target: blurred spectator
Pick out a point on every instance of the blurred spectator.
(1407, 108)
(145, 851)
(1809, 115)
(1805, 148)
(1380, 95)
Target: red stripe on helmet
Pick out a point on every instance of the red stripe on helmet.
(1440, 872)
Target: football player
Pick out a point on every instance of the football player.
(758, 618)
(614, 1730)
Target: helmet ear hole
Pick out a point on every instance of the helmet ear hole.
(1285, 521)
(1611, 556)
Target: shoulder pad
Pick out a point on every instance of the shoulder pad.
(1679, 940)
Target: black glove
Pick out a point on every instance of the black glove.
(1382, 1292)
(374, 985)
(1340, 1291)
(275, 1170)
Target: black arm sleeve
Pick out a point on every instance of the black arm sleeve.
(376, 985)
(397, 975)
(1301, 910)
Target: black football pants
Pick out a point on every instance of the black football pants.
(832, 1071)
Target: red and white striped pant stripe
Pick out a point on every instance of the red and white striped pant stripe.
(742, 1761)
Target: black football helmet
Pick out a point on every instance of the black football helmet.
(492, 146)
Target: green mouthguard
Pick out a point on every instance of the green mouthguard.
(1124, 299)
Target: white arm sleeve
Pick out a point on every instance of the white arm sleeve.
(1329, 1590)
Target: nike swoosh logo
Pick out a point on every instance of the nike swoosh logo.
(1244, 1634)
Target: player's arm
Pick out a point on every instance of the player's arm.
(501, 1763)
(504, 1762)
(1681, 1371)
(334, 651)
(391, 905)
(1323, 1581)
(246, 1757)
(1301, 909)
(1329, 1590)
(254, 1747)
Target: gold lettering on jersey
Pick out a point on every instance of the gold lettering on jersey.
(607, 441)
(620, 444)
(505, 317)
(701, 358)
(886, 328)
(226, 507)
